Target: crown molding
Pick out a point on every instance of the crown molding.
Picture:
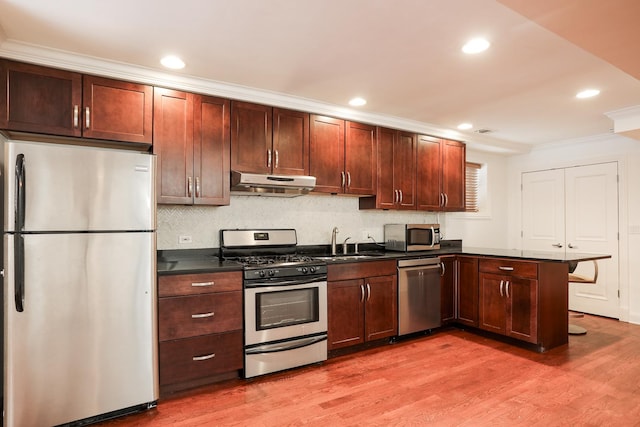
(35, 54)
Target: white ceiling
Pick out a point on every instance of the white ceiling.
(403, 56)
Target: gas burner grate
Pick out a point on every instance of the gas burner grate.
(275, 259)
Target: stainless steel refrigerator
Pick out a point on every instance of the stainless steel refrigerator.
(79, 300)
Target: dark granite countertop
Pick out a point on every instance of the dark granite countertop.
(189, 261)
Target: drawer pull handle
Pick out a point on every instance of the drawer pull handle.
(203, 284)
(205, 357)
(506, 268)
(202, 315)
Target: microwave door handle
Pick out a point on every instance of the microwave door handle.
(433, 237)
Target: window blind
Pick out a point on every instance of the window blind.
(472, 183)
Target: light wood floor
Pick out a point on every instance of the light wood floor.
(451, 378)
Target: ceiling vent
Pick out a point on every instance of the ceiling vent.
(484, 130)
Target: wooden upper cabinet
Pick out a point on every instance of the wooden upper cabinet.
(211, 145)
(342, 156)
(173, 147)
(117, 110)
(440, 174)
(46, 100)
(429, 173)
(269, 140)
(251, 137)
(192, 148)
(40, 99)
(453, 175)
(396, 186)
(290, 152)
(360, 162)
(326, 153)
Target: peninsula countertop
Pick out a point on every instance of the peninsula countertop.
(191, 261)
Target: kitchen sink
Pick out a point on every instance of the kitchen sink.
(347, 257)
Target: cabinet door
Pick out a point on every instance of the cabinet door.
(39, 99)
(345, 313)
(453, 175)
(381, 302)
(326, 153)
(386, 193)
(117, 110)
(467, 290)
(290, 142)
(173, 130)
(251, 134)
(428, 173)
(360, 159)
(522, 310)
(211, 150)
(493, 313)
(447, 289)
(404, 169)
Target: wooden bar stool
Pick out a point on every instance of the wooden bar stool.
(578, 278)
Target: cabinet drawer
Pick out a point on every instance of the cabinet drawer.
(194, 358)
(358, 270)
(510, 267)
(189, 284)
(183, 317)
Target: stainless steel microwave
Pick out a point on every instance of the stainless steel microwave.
(411, 237)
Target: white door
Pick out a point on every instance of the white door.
(592, 227)
(543, 210)
(576, 210)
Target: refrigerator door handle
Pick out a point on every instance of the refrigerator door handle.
(18, 247)
(20, 193)
(18, 244)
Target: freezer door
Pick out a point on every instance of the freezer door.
(86, 342)
(76, 188)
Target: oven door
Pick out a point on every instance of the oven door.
(281, 312)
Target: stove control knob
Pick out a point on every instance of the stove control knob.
(261, 273)
(271, 272)
(312, 269)
(304, 270)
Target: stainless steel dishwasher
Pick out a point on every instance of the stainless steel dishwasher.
(418, 295)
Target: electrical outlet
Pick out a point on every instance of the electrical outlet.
(185, 239)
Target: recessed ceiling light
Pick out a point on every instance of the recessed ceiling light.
(465, 126)
(476, 45)
(587, 93)
(172, 62)
(357, 102)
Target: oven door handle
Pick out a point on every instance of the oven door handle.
(286, 346)
(286, 282)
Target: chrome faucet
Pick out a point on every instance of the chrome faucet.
(333, 240)
(344, 246)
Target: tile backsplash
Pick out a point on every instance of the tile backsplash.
(313, 217)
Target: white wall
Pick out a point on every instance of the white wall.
(604, 148)
(487, 228)
(314, 216)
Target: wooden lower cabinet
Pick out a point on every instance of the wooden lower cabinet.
(526, 300)
(509, 306)
(362, 302)
(199, 328)
(199, 357)
(448, 289)
(467, 290)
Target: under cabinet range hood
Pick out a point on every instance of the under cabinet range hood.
(271, 185)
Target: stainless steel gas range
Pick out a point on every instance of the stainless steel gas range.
(285, 300)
